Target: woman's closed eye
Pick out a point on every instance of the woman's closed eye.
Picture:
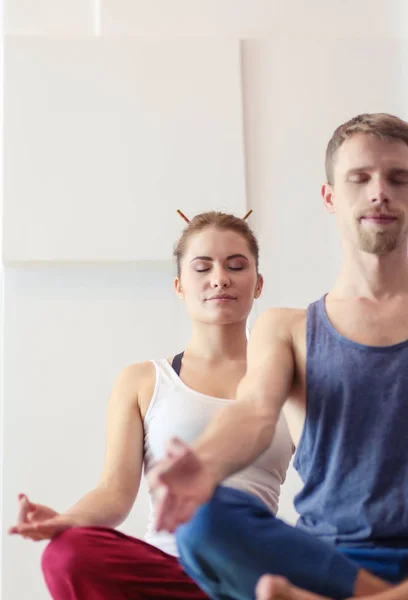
(230, 268)
(237, 264)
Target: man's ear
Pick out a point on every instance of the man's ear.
(328, 197)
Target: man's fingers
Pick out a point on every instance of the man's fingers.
(170, 515)
(155, 481)
(176, 448)
(161, 496)
(176, 442)
(186, 512)
(174, 453)
(164, 508)
(172, 512)
(173, 517)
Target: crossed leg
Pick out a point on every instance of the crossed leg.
(271, 587)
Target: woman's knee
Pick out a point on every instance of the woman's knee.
(68, 552)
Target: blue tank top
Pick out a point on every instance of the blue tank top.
(353, 453)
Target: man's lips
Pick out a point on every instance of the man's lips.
(380, 219)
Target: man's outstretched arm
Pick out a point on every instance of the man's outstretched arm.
(237, 435)
(244, 429)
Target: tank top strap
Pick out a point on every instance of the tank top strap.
(176, 363)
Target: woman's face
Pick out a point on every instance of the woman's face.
(218, 279)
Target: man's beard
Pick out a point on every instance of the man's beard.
(379, 242)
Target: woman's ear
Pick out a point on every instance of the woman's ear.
(259, 286)
(178, 288)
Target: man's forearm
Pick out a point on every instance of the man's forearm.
(244, 429)
(238, 434)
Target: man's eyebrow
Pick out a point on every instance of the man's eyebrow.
(399, 171)
(209, 258)
(393, 170)
(357, 170)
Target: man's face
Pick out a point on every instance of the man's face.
(369, 194)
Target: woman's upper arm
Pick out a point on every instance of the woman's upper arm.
(123, 462)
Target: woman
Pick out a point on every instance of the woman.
(218, 279)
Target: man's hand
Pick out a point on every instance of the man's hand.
(181, 483)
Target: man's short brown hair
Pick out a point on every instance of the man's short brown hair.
(382, 125)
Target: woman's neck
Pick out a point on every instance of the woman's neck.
(218, 342)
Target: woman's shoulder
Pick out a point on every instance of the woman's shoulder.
(140, 381)
(137, 373)
(140, 378)
(134, 385)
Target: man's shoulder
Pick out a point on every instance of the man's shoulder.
(280, 325)
(284, 317)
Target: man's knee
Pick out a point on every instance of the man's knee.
(211, 527)
(199, 532)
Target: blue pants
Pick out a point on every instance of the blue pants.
(234, 539)
(390, 564)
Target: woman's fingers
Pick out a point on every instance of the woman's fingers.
(25, 507)
(39, 530)
(36, 537)
(22, 509)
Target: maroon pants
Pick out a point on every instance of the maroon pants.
(97, 563)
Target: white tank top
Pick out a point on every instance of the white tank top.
(177, 410)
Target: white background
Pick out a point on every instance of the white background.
(117, 112)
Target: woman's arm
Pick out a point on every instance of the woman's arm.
(109, 503)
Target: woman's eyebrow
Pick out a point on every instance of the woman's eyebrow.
(211, 259)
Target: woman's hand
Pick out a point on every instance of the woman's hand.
(38, 522)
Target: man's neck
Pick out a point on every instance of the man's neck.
(371, 276)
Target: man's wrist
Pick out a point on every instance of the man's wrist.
(211, 464)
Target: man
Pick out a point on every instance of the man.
(339, 372)
(277, 588)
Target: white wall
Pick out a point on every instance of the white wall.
(112, 136)
(80, 303)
